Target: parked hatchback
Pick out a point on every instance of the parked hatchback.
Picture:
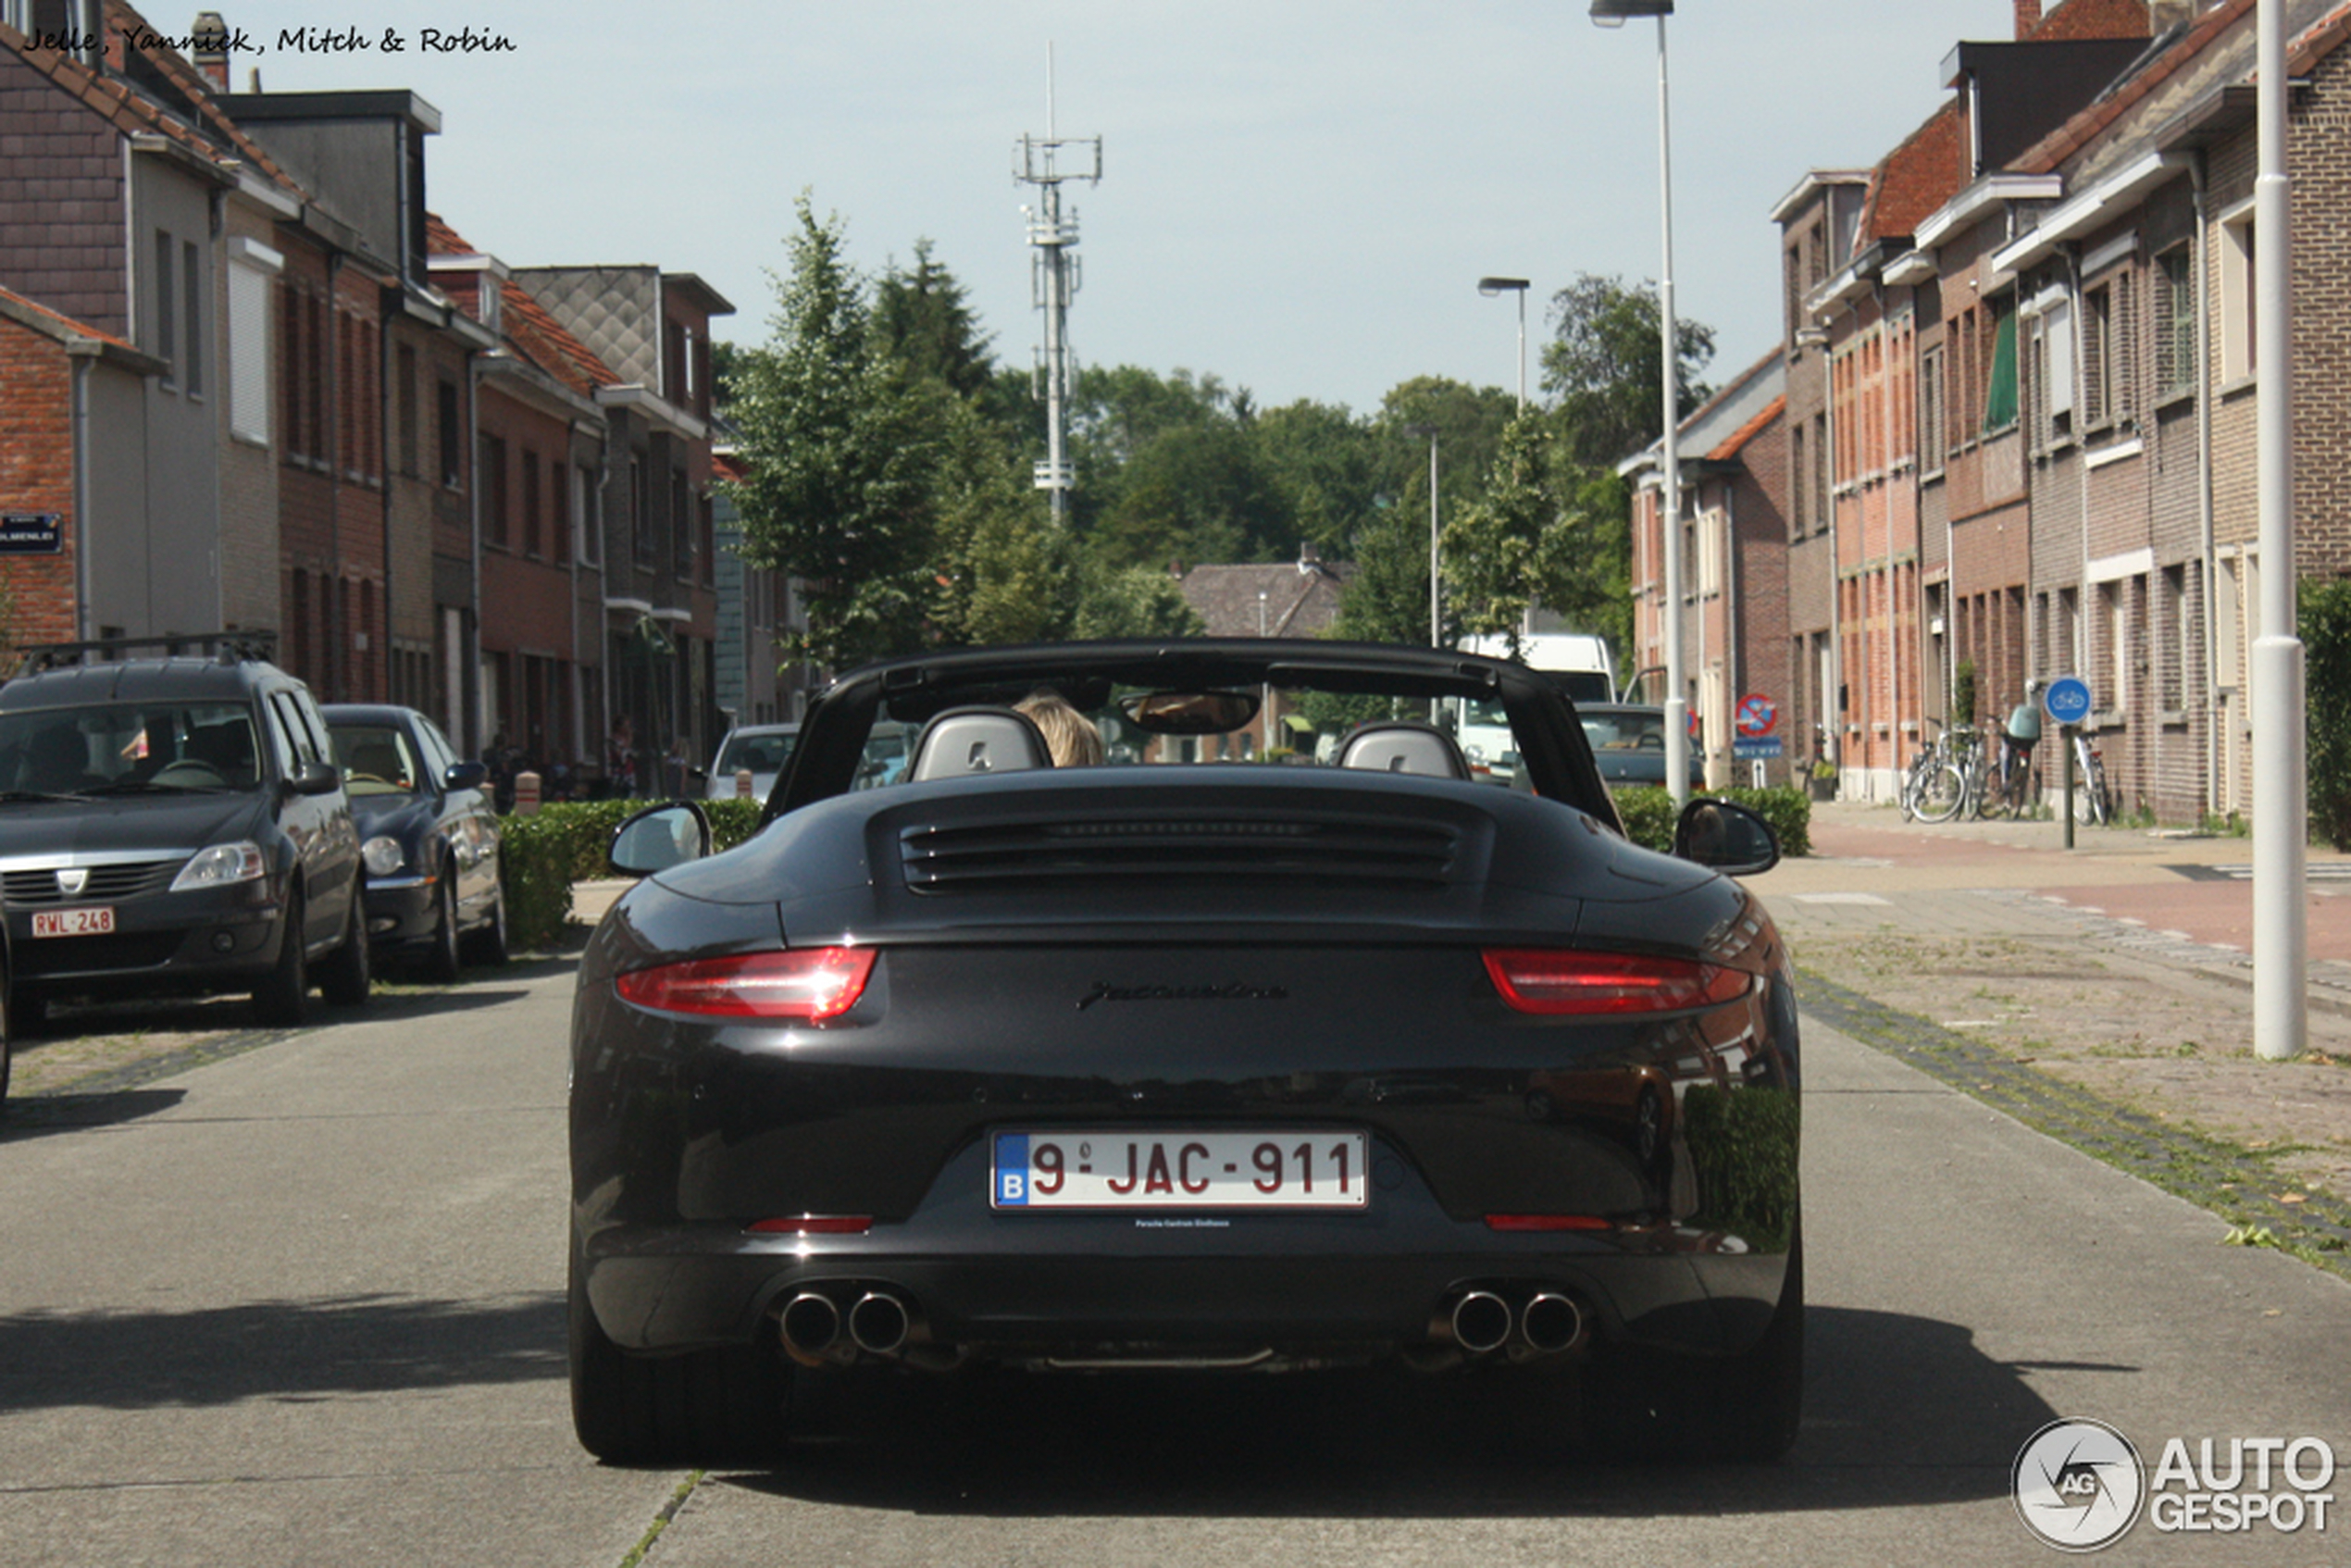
(760, 750)
(171, 822)
(428, 835)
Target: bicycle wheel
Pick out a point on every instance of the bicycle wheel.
(1944, 793)
(2090, 806)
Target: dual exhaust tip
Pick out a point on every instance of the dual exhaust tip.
(877, 1323)
(1484, 1321)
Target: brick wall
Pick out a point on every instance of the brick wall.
(36, 475)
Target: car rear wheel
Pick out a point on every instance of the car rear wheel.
(704, 1406)
(441, 959)
(282, 999)
(343, 978)
(6, 1064)
(1647, 1404)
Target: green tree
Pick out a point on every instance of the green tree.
(1324, 462)
(1387, 599)
(924, 321)
(1134, 602)
(842, 453)
(1003, 571)
(1604, 373)
(2325, 630)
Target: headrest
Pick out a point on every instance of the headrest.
(1416, 749)
(967, 740)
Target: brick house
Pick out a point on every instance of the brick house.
(1817, 220)
(2146, 561)
(1911, 486)
(657, 610)
(64, 479)
(1734, 534)
(538, 449)
(129, 197)
(1283, 599)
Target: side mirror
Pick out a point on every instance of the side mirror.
(1726, 836)
(465, 776)
(317, 779)
(660, 837)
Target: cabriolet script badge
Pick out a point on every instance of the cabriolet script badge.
(1235, 992)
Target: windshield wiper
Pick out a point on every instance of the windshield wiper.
(11, 796)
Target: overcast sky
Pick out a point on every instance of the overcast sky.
(1297, 196)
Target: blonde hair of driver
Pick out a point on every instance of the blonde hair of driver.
(1070, 736)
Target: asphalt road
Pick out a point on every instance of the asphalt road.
(303, 1306)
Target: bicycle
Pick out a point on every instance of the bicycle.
(2092, 805)
(1938, 785)
(1914, 778)
(2010, 783)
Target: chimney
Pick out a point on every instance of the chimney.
(209, 48)
(2028, 16)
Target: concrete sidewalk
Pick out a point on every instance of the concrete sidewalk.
(2102, 994)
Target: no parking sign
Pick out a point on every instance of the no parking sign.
(1754, 720)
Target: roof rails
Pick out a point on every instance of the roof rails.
(227, 647)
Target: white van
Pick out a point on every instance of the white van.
(1577, 662)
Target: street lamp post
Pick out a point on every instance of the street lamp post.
(1491, 287)
(1435, 620)
(1611, 13)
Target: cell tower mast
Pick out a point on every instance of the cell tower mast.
(1053, 273)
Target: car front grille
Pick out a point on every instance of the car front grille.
(1291, 851)
(129, 880)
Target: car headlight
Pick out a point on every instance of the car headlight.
(223, 866)
(383, 855)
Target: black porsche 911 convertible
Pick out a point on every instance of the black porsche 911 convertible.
(1255, 1035)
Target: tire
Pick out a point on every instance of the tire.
(282, 1000)
(2088, 809)
(441, 963)
(1945, 792)
(344, 978)
(1656, 1405)
(703, 1408)
(6, 1053)
(486, 943)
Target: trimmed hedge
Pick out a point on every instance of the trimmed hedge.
(542, 855)
(1647, 810)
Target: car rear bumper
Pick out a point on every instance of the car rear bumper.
(1033, 1284)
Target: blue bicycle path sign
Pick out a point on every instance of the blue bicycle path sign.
(2067, 700)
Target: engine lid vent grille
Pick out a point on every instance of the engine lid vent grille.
(1289, 851)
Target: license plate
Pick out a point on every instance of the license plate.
(93, 922)
(1182, 1168)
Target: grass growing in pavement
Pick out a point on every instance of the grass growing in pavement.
(2233, 1181)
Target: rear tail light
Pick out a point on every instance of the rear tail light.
(811, 984)
(1564, 980)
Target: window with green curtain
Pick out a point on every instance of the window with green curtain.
(2000, 393)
